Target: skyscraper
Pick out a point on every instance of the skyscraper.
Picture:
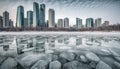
(66, 22)
(1, 22)
(97, 22)
(36, 16)
(30, 18)
(51, 18)
(20, 17)
(60, 23)
(42, 15)
(26, 22)
(5, 19)
(89, 22)
(78, 23)
(10, 23)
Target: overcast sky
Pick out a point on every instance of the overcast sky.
(106, 9)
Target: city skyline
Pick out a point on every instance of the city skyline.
(110, 12)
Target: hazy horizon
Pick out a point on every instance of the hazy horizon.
(106, 9)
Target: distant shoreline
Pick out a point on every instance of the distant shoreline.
(99, 33)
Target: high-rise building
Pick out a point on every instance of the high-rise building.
(42, 15)
(1, 22)
(36, 16)
(26, 22)
(106, 23)
(5, 19)
(66, 22)
(30, 18)
(51, 18)
(78, 23)
(10, 23)
(20, 17)
(97, 22)
(89, 22)
(60, 23)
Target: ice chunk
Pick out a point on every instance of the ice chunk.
(41, 64)
(2, 59)
(114, 53)
(117, 65)
(10, 63)
(102, 65)
(92, 57)
(55, 65)
(75, 65)
(83, 58)
(67, 55)
(26, 60)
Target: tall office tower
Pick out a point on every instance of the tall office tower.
(25, 22)
(5, 19)
(36, 16)
(30, 18)
(10, 23)
(1, 22)
(66, 22)
(106, 23)
(78, 23)
(97, 22)
(60, 23)
(20, 17)
(51, 18)
(89, 22)
(42, 15)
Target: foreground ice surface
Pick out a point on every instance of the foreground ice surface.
(60, 50)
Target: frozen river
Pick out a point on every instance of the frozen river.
(60, 50)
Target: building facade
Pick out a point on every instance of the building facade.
(20, 17)
(42, 15)
(106, 23)
(11, 24)
(25, 22)
(78, 23)
(1, 22)
(51, 18)
(60, 23)
(29, 18)
(5, 19)
(89, 23)
(36, 16)
(66, 22)
(98, 22)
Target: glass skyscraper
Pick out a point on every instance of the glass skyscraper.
(60, 23)
(78, 23)
(5, 19)
(10, 23)
(25, 22)
(89, 22)
(98, 22)
(42, 15)
(66, 22)
(30, 18)
(36, 16)
(51, 18)
(20, 16)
